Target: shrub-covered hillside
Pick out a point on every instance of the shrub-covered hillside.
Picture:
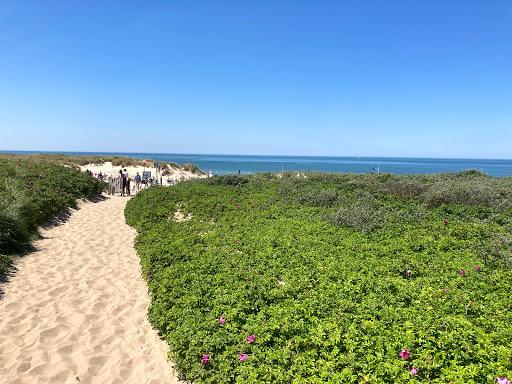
(331, 278)
(31, 193)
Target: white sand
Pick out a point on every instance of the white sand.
(108, 169)
(76, 310)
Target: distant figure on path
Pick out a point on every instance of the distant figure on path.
(137, 180)
(123, 181)
(127, 182)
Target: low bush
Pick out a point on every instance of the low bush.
(495, 248)
(232, 180)
(462, 192)
(362, 217)
(406, 187)
(258, 287)
(31, 193)
(326, 198)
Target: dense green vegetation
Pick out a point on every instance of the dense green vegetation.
(76, 161)
(331, 278)
(31, 193)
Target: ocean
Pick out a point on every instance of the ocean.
(233, 164)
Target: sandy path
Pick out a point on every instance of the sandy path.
(75, 312)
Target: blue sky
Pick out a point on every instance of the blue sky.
(377, 78)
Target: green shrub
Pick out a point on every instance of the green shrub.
(495, 248)
(329, 303)
(326, 198)
(462, 192)
(406, 188)
(31, 193)
(361, 217)
(232, 180)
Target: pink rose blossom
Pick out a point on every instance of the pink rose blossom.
(462, 272)
(251, 339)
(414, 371)
(221, 320)
(405, 353)
(243, 357)
(408, 273)
(205, 359)
(503, 380)
(478, 268)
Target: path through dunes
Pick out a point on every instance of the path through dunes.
(75, 311)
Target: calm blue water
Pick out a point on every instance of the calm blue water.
(229, 164)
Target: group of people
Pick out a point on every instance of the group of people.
(125, 181)
(122, 183)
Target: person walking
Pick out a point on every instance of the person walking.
(137, 180)
(123, 181)
(126, 182)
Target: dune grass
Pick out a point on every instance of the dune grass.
(33, 191)
(331, 278)
(76, 161)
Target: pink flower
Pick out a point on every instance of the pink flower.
(251, 339)
(408, 273)
(478, 268)
(243, 357)
(205, 359)
(414, 371)
(405, 353)
(503, 380)
(221, 320)
(462, 272)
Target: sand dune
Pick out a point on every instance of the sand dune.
(176, 174)
(75, 312)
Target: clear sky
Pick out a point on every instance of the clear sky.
(377, 78)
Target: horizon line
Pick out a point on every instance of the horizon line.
(63, 152)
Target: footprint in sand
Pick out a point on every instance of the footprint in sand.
(23, 367)
(58, 291)
(53, 335)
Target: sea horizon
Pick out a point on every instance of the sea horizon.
(249, 164)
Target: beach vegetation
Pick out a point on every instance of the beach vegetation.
(75, 161)
(331, 278)
(32, 192)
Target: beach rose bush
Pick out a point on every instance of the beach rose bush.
(271, 289)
